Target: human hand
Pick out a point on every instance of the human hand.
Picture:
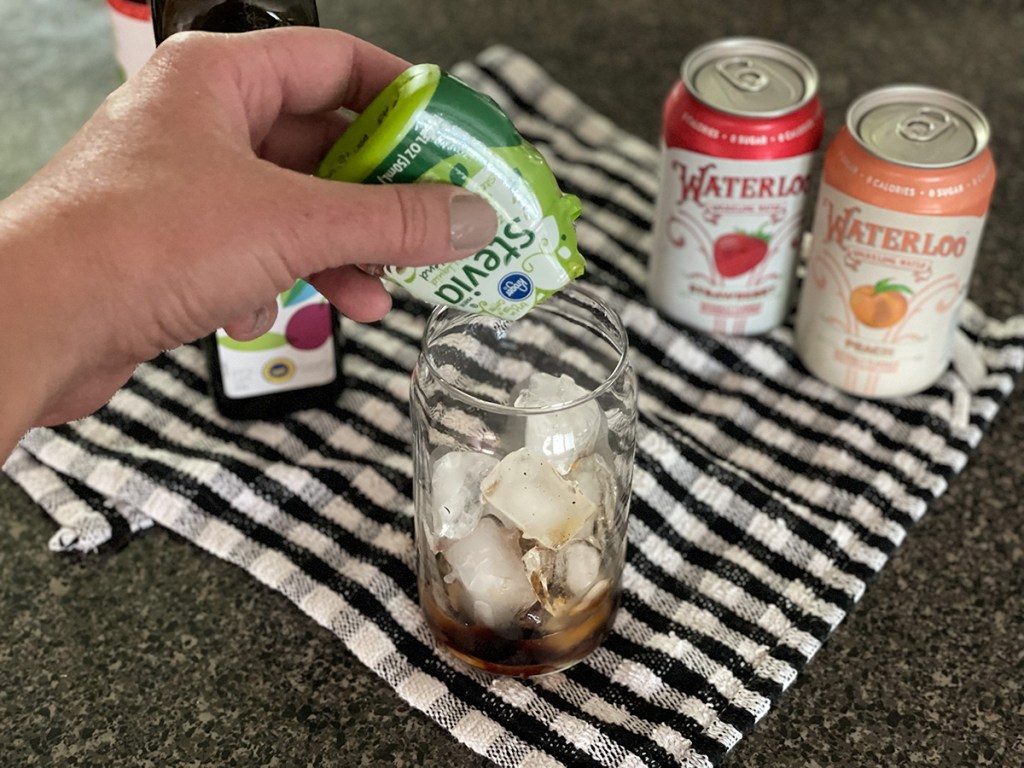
(185, 204)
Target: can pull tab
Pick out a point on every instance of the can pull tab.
(925, 124)
(743, 73)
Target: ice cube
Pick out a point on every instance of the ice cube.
(488, 562)
(540, 568)
(563, 436)
(527, 491)
(560, 578)
(595, 480)
(579, 564)
(455, 492)
(597, 593)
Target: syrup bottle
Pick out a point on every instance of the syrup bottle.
(297, 364)
(170, 16)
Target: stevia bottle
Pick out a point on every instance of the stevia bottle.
(430, 127)
(297, 364)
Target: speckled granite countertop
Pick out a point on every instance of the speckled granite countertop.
(161, 655)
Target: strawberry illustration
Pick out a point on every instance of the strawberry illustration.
(739, 252)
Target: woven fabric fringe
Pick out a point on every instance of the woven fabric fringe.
(764, 500)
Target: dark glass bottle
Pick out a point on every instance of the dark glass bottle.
(298, 363)
(170, 16)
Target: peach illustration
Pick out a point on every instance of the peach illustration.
(881, 305)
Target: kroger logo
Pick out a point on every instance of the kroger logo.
(515, 286)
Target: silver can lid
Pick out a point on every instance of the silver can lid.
(918, 126)
(750, 77)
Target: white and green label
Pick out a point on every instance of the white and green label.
(296, 353)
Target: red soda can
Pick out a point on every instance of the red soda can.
(903, 200)
(740, 132)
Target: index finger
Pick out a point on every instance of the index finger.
(321, 69)
(286, 70)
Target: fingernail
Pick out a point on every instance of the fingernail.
(377, 270)
(473, 222)
(260, 324)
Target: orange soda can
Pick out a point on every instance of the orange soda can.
(900, 212)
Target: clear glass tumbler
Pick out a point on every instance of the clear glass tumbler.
(524, 433)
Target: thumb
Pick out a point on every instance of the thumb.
(400, 225)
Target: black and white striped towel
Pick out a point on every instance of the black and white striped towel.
(764, 500)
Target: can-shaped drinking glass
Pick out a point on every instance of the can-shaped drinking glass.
(524, 435)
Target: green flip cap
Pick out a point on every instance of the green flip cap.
(428, 126)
